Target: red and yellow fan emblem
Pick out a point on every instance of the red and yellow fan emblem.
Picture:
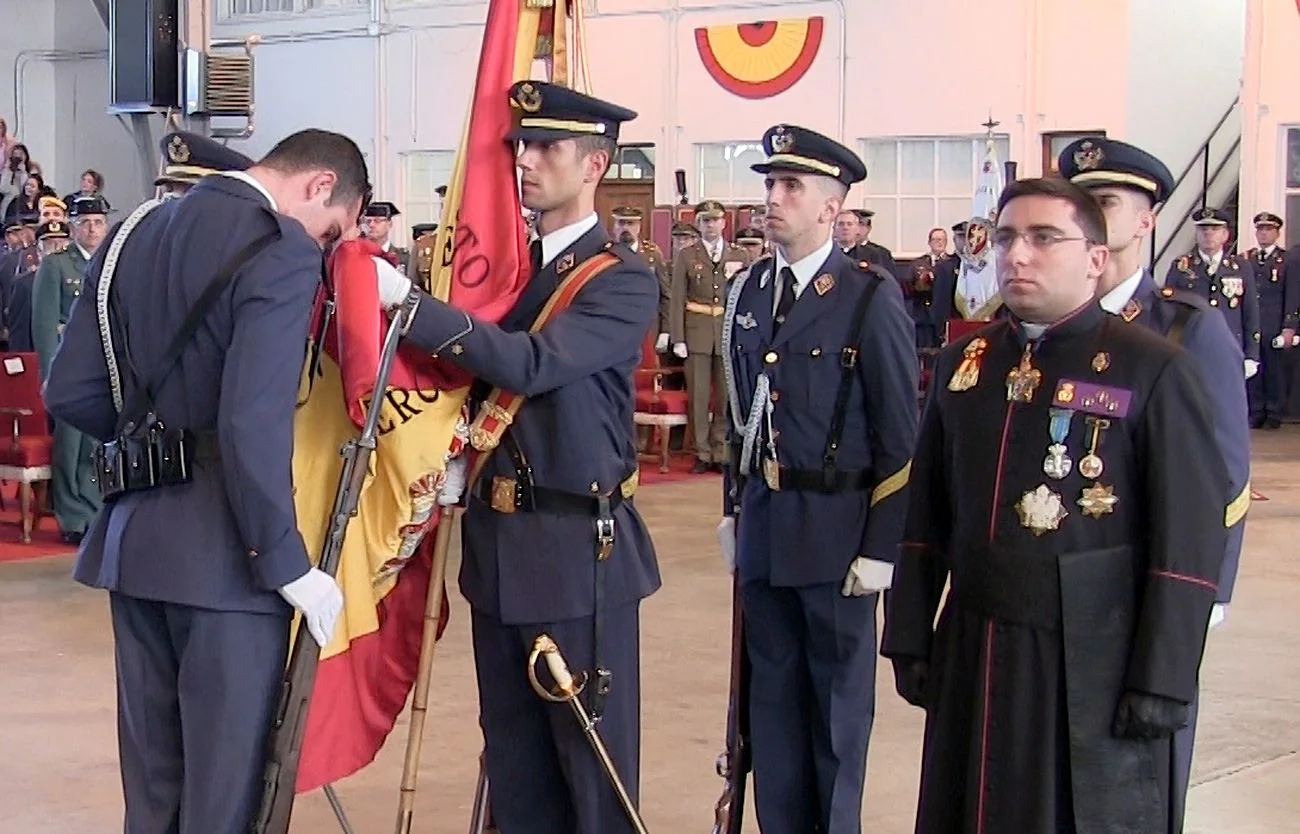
(759, 60)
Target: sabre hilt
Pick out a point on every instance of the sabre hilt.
(566, 686)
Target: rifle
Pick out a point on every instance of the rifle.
(285, 744)
(734, 763)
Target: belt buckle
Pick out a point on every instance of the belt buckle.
(504, 494)
(604, 538)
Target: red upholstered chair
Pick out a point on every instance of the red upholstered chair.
(657, 409)
(25, 454)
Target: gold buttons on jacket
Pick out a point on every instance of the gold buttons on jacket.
(776, 396)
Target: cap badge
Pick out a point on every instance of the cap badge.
(782, 141)
(178, 151)
(1207, 214)
(1089, 157)
(529, 98)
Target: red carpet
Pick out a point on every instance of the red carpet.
(45, 538)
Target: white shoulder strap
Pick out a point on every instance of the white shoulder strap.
(102, 291)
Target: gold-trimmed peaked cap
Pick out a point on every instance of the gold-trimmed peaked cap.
(1096, 162)
(188, 157)
(794, 148)
(1269, 219)
(548, 112)
(627, 213)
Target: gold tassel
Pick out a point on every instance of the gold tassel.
(967, 375)
(538, 4)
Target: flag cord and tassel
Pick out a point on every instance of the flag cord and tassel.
(428, 643)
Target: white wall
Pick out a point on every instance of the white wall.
(1269, 105)
(1185, 68)
(28, 29)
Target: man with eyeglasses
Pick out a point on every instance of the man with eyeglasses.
(1048, 485)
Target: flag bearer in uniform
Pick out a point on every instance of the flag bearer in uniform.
(1050, 488)
(1279, 317)
(1129, 184)
(73, 488)
(822, 394)
(552, 540)
(1224, 279)
(700, 276)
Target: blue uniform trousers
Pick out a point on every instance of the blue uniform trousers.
(1267, 389)
(812, 703)
(197, 690)
(543, 774)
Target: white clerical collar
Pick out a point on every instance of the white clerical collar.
(804, 269)
(1120, 294)
(249, 180)
(553, 243)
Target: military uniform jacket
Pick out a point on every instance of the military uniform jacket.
(793, 537)
(1279, 292)
(57, 285)
(1191, 322)
(1106, 582)
(1231, 290)
(21, 267)
(654, 257)
(574, 430)
(229, 538)
(699, 288)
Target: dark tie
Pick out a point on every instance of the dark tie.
(786, 301)
(535, 255)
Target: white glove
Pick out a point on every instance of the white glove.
(679, 350)
(393, 285)
(1252, 368)
(453, 486)
(867, 576)
(1277, 342)
(661, 344)
(1217, 613)
(317, 597)
(727, 541)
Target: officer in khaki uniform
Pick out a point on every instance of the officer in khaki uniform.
(73, 489)
(419, 265)
(627, 231)
(377, 223)
(700, 275)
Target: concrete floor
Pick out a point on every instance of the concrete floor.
(57, 739)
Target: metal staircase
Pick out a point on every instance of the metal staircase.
(1211, 178)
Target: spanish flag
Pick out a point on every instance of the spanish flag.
(368, 669)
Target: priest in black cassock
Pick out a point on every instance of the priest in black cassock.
(1046, 487)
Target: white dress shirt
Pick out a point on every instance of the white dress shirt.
(553, 243)
(1113, 302)
(1212, 261)
(247, 179)
(804, 269)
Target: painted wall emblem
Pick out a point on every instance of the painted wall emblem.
(760, 60)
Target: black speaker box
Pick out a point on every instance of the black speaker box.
(143, 55)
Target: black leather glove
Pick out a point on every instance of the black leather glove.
(910, 678)
(1145, 717)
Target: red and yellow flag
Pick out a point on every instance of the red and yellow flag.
(368, 669)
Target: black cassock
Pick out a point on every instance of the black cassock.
(1065, 591)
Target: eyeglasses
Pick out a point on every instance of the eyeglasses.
(1004, 239)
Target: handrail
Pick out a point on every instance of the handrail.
(1211, 178)
(1205, 146)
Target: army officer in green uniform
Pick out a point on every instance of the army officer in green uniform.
(73, 489)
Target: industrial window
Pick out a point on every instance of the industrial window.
(633, 163)
(1292, 225)
(246, 8)
(426, 171)
(916, 183)
(722, 173)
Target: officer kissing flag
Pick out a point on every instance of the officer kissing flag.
(481, 265)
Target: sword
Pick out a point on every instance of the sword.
(568, 690)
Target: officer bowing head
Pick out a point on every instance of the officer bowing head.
(567, 142)
(808, 177)
(1051, 249)
(319, 179)
(89, 222)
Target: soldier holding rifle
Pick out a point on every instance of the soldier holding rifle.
(552, 542)
(202, 559)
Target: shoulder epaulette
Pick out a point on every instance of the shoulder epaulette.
(1174, 295)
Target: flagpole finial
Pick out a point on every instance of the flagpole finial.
(990, 124)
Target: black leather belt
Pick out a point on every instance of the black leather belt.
(815, 480)
(506, 495)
